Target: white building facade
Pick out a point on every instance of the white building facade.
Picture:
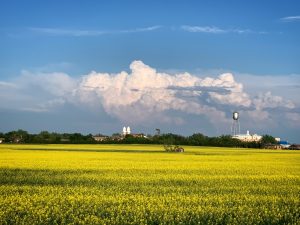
(248, 137)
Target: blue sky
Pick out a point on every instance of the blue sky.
(253, 40)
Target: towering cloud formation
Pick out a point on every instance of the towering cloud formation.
(145, 93)
(146, 96)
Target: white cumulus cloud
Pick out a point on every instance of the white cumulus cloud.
(267, 100)
(144, 95)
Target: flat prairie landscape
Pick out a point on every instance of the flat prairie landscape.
(142, 184)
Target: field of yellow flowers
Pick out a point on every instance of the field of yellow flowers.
(142, 184)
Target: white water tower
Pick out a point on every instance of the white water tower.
(235, 127)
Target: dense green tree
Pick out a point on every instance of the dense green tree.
(268, 139)
(19, 136)
(197, 139)
(47, 138)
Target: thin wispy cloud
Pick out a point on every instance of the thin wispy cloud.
(82, 33)
(217, 30)
(86, 33)
(205, 29)
(143, 29)
(290, 19)
(66, 32)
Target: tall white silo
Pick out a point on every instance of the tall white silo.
(124, 131)
(128, 130)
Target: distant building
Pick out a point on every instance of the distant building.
(247, 137)
(126, 131)
(1, 140)
(141, 135)
(272, 146)
(284, 144)
(294, 147)
(100, 137)
(65, 139)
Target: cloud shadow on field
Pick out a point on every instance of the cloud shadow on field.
(90, 150)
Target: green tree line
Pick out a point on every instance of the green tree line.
(198, 139)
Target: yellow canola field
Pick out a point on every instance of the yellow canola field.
(142, 184)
